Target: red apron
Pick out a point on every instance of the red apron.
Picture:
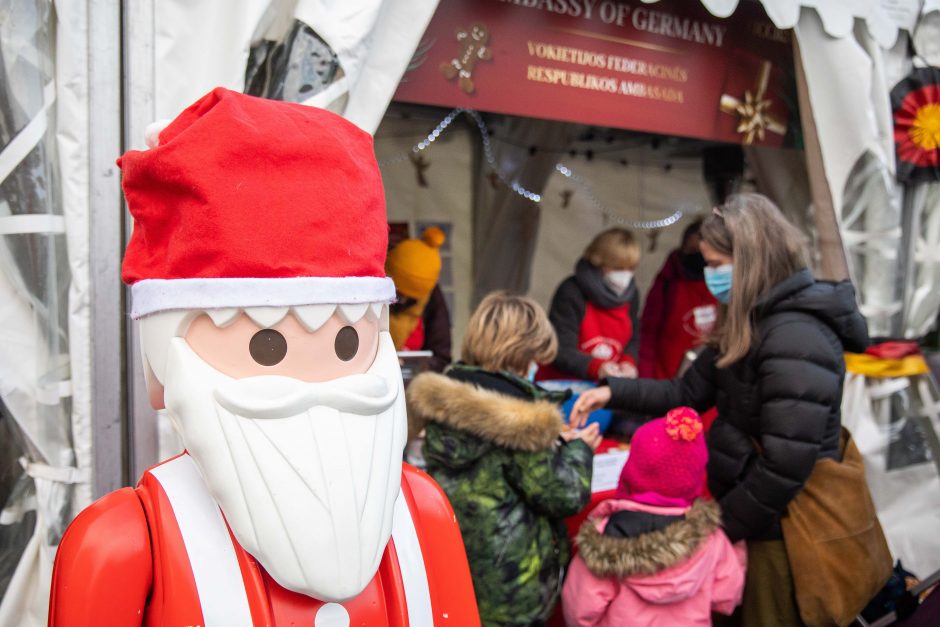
(690, 317)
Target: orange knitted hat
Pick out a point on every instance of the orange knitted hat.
(415, 264)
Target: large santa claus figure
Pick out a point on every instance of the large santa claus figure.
(256, 270)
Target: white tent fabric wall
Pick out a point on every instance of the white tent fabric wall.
(198, 46)
(72, 145)
(42, 374)
(858, 151)
(924, 296)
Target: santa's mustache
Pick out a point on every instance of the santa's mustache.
(272, 397)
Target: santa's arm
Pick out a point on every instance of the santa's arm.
(103, 567)
(445, 559)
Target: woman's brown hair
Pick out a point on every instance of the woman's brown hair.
(508, 332)
(766, 249)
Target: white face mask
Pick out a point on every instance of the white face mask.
(618, 280)
(307, 474)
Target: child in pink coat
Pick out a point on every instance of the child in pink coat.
(655, 554)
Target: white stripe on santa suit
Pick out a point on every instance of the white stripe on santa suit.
(411, 562)
(219, 584)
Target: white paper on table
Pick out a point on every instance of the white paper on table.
(607, 468)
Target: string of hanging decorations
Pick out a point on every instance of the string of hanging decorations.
(515, 186)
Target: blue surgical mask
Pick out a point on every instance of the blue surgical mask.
(533, 369)
(718, 281)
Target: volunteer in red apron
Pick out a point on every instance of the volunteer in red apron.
(595, 312)
(256, 274)
(679, 311)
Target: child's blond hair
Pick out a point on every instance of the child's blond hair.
(508, 332)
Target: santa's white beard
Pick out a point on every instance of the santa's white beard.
(306, 474)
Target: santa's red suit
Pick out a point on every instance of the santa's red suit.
(161, 554)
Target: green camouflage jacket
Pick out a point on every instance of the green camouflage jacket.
(492, 444)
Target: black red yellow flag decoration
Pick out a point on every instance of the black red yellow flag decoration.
(916, 104)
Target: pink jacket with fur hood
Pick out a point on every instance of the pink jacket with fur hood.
(673, 576)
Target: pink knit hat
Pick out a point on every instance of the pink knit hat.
(667, 461)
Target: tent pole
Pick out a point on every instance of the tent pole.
(912, 205)
(139, 112)
(833, 265)
(109, 465)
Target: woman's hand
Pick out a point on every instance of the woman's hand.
(609, 369)
(589, 400)
(628, 370)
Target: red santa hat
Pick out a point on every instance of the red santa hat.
(248, 202)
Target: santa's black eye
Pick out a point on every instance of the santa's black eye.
(267, 347)
(347, 343)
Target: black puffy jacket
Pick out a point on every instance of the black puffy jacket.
(783, 398)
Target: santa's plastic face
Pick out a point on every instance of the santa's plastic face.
(296, 418)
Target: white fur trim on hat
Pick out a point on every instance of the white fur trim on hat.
(153, 295)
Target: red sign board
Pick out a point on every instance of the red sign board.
(669, 67)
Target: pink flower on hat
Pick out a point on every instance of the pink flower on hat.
(683, 423)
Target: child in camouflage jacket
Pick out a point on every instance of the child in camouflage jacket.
(494, 444)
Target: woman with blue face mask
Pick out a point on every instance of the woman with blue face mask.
(773, 368)
(718, 279)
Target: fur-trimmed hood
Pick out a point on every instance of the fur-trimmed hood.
(649, 553)
(693, 568)
(513, 423)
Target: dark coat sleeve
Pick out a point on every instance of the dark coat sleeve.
(566, 314)
(651, 324)
(799, 373)
(632, 348)
(437, 330)
(695, 389)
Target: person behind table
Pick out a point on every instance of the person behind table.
(655, 554)
(419, 319)
(496, 445)
(595, 312)
(773, 367)
(679, 311)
